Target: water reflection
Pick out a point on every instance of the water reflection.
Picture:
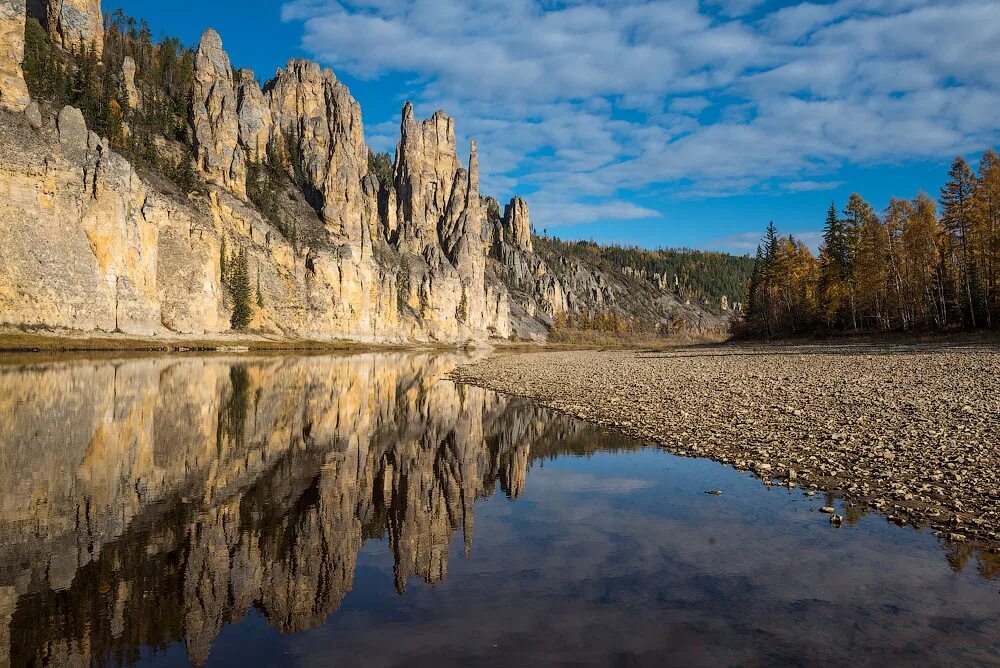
(150, 501)
(191, 509)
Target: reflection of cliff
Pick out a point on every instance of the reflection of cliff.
(175, 495)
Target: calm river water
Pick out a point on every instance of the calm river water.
(364, 511)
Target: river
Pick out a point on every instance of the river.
(363, 510)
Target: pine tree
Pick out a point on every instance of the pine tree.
(833, 268)
(771, 243)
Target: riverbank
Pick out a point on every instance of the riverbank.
(18, 341)
(14, 340)
(909, 429)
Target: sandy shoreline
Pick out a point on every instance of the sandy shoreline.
(910, 430)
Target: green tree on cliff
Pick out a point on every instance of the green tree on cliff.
(241, 291)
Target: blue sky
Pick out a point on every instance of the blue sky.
(654, 122)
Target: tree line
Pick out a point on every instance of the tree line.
(701, 275)
(919, 265)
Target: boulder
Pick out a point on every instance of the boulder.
(72, 128)
(34, 115)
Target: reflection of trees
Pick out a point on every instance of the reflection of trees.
(237, 486)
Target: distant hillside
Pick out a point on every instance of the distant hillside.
(695, 274)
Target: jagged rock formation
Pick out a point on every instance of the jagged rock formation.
(13, 91)
(214, 117)
(254, 116)
(317, 117)
(71, 23)
(516, 226)
(422, 257)
(222, 485)
(128, 83)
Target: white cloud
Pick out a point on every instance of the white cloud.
(585, 103)
(811, 186)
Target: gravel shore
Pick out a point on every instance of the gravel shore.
(911, 430)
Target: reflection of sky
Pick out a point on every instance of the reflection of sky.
(624, 560)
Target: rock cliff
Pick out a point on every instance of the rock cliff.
(74, 24)
(13, 90)
(332, 252)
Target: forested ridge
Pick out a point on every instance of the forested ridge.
(699, 274)
(919, 265)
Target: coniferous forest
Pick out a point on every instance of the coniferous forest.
(920, 265)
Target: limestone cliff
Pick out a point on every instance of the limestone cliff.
(13, 90)
(214, 117)
(72, 23)
(94, 245)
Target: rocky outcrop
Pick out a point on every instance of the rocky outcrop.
(435, 211)
(86, 256)
(132, 97)
(516, 226)
(424, 178)
(75, 24)
(214, 117)
(13, 91)
(317, 117)
(421, 257)
(254, 116)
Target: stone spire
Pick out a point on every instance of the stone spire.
(128, 83)
(317, 112)
(214, 117)
(516, 225)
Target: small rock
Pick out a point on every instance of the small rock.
(828, 510)
(34, 115)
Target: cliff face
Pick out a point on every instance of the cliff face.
(181, 493)
(93, 246)
(13, 91)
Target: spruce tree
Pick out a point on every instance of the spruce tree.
(241, 292)
(751, 312)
